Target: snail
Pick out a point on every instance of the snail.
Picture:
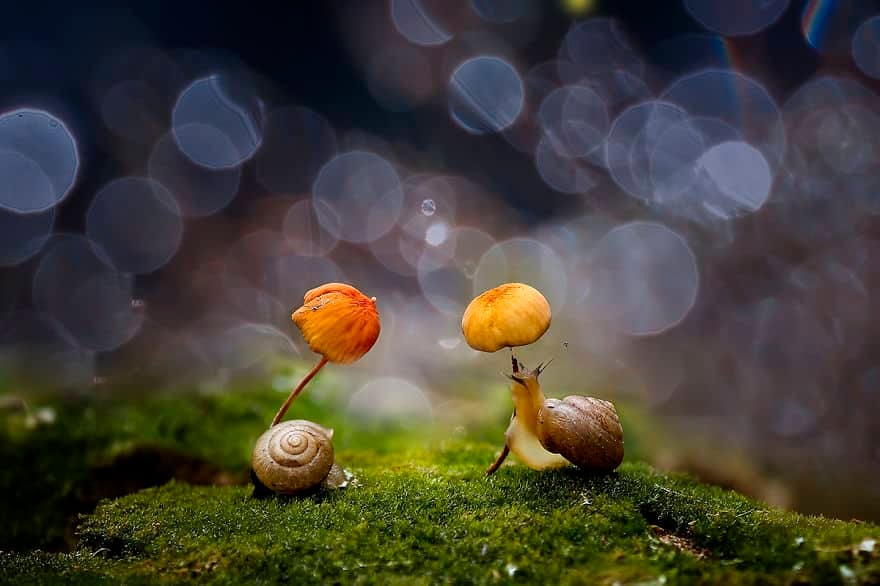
(551, 433)
(295, 457)
(341, 324)
(543, 433)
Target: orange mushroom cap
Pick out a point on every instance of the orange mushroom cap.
(338, 322)
(513, 314)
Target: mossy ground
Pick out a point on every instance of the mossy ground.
(422, 510)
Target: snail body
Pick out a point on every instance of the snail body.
(295, 457)
(550, 433)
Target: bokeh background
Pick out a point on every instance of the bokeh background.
(693, 184)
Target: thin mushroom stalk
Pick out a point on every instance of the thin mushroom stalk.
(296, 391)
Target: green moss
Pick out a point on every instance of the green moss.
(422, 510)
(434, 516)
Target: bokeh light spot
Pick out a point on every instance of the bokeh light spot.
(485, 95)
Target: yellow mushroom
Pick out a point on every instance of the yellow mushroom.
(513, 314)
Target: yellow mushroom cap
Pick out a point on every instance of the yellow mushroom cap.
(513, 314)
(338, 322)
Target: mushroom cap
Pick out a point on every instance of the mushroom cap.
(513, 314)
(338, 322)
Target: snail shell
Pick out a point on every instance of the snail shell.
(584, 430)
(294, 457)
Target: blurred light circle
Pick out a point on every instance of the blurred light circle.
(42, 347)
(304, 232)
(446, 286)
(446, 279)
(619, 88)
(23, 235)
(740, 173)
(575, 119)
(437, 233)
(733, 19)
(289, 277)
(680, 185)
(501, 11)
(133, 110)
(632, 140)
(412, 20)
(137, 222)
(673, 168)
(75, 284)
(848, 139)
(469, 246)
(364, 190)
(828, 26)
(523, 260)
(599, 45)
(253, 304)
(866, 47)
(644, 278)
(563, 173)
(249, 345)
(400, 78)
(737, 100)
(485, 95)
(38, 161)
(688, 53)
(218, 105)
(834, 148)
(200, 191)
(428, 199)
(297, 142)
(391, 399)
(26, 188)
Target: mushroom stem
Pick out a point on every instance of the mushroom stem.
(302, 384)
(497, 464)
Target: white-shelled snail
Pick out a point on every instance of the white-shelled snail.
(295, 457)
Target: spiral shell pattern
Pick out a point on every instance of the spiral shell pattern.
(293, 456)
(586, 431)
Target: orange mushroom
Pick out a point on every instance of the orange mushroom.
(338, 322)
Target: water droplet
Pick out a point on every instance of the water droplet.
(137, 304)
(53, 123)
(429, 207)
(565, 345)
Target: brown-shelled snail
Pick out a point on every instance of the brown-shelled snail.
(549, 433)
(296, 457)
(341, 324)
(543, 433)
